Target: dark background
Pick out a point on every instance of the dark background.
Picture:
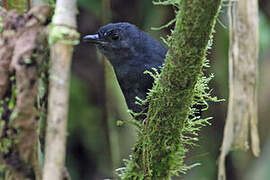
(97, 146)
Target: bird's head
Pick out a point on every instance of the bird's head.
(116, 41)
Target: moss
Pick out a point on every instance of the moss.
(63, 34)
(6, 114)
(12, 100)
(172, 122)
(1, 24)
(5, 145)
(2, 125)
(19, 5)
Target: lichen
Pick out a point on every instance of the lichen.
(64, 34)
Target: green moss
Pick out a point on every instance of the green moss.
(1, 109)
(1, 24)
(2, 125)
(19, 5)
(171, 122)
(12, 100)
(5, 145)
(64, 34)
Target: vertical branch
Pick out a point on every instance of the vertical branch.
(109, 92)
(29, 5)
(171, 121)
(242, 117)
(62, 37)
(106, 11)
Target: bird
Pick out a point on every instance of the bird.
(131, 52)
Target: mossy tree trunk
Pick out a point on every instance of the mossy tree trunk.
(24, 55)
(171, 121)
(23, 60)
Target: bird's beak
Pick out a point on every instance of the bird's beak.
(94, 39)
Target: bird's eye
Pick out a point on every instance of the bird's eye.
(114, 36)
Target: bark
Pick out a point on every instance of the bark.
(23, 52)
(242, 118)
(63, 35)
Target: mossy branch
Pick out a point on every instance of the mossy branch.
(171, 122)
(62, 37)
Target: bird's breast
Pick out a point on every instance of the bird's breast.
(133, 82)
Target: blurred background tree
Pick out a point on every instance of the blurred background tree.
(97, 146)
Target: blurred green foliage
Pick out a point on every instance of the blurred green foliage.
(83, 124)
(83, 114)
(87, 158)
(264, 34)
(93, 6)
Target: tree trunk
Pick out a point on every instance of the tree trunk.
(62, 37)
(241, 129)
(23, 59)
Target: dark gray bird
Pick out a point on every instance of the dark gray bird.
(131, 52)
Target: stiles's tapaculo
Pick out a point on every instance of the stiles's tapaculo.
(131, 52)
